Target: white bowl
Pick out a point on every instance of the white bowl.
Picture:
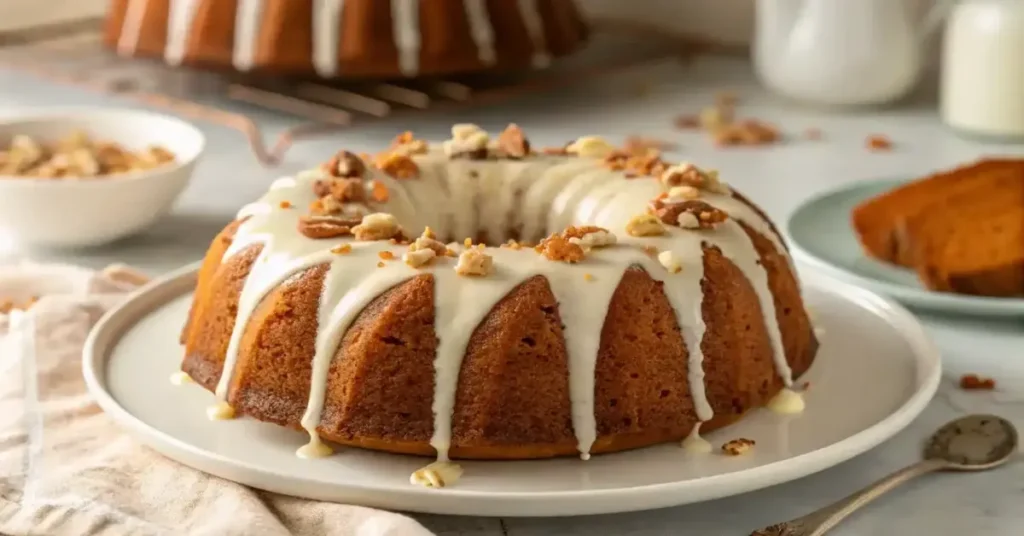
(94, 211)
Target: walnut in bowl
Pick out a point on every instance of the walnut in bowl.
(88, 176)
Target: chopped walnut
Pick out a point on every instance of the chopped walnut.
(590, 147)
(878, 142)
(644, 225)
(512, 143)
(406, 144)
(285, 204)
(748, 132)
(379, 191)
(687, 174)
(377, 226)
(468, 141)
(428, 241)
(318, 227)
(341, 189)
(670, 261)
(386, 255)
(345, 165)
(683, 193)
(343, 249)
(737, 447)
(589, 237)
(973, 382)
(474, 261)
(651, 251)
(398, 166)
(688, 214)
(418, 257)
(716, 117)
(512, 244)
(559, 248)
(76, 156)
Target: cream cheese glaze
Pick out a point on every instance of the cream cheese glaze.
(537, 195)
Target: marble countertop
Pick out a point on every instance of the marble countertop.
(778, 178)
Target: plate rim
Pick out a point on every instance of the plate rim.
(117, 321)
(917, 297)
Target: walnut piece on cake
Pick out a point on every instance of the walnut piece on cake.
(589, 237)
(645, 225)
(406, 144)
(468, 141)
(590, 147)
(474, 262)
(397, 165)
(512, 143)
(320, 227)
(687, 174)
(559, 248)
(345, 164)
(738, 446)
(693, 214)
(377, 226)
(670, 261)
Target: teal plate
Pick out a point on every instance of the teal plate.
(820, 234)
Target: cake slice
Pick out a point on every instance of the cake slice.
(981, 256)
(886, 224)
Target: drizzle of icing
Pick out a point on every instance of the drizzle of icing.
(248, 15)
(405, 16)
(179, 23)
(437, 475)
(221, 411)
(453, 197)
(787, 401)
(314, 449)
(695, 443)
(326, 36)
(131, 28)
(481, 30)
(181, 378)
(535, 27)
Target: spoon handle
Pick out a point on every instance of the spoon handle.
(820, 521)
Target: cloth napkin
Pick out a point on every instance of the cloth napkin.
(65, 468)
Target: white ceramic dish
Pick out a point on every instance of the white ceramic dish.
(821, 235)
(862, 391)
(78, 213)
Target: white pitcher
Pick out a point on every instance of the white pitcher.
(841, 52)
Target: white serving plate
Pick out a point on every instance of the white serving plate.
(875, 373)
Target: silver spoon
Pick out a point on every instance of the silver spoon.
(972, 443)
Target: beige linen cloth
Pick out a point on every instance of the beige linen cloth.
(66, 468)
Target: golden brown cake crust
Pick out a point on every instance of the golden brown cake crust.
(512, 399)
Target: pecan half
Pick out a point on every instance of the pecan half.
(318, 227)
(345, 164)
(692, 214)
(512, 143)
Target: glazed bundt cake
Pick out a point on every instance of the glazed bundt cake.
(347, 38)
(960, 230)
(595, 301)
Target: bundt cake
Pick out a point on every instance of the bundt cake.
(347, 38)
(595, 301)
(960, 230)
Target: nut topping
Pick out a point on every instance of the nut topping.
(474, 261)
(346, 165)
(398, 166)
(318, 227)
(468, 141)
(644, 225)
(688, 214)
(406, 144)
(590, 147)
(738, 446)
(419, 257)
(589, 237)
(341, 189)
(512, 143)
(377, 226)
(670, 261)
(558, 248)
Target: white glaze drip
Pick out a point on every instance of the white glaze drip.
(535, 27)
(326, 36)
(787, 402)
(405, 15)
(131, 28)
(181, 378)
(695, 443)
(248, 16)
(544, 189)
(481, 30)
(179, 24)
(314, 449)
